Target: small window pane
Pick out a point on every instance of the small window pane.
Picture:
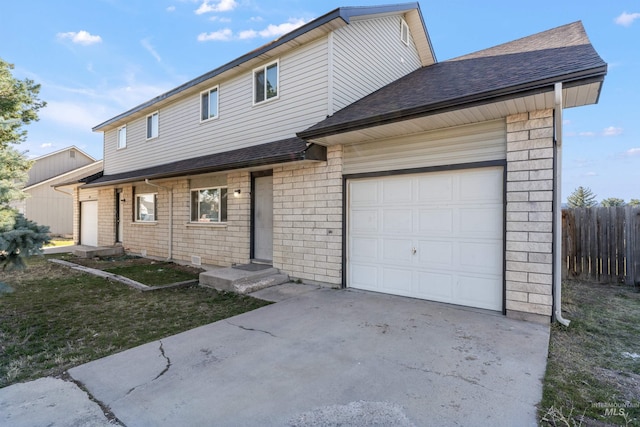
(259, 85)
(122, 137)
(272, 81)
(205, 106)
(152, 126)
(213, 103)
(146, 207)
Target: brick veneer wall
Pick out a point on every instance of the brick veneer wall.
(307, 223)
(529, 222)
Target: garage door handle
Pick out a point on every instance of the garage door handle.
(414, 250)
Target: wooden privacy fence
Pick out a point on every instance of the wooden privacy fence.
(601, 244)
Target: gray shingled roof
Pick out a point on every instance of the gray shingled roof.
(287, 150)
(563, 54)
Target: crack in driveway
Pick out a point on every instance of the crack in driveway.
(251, 329)
(164, 371)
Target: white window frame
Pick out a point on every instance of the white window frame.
(404, 32)
(201, 220)
(155, 114)
(264, 69)
(138, 217)
(207, 92)
(122, 144)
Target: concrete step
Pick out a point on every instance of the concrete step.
(235, 279)
(91, 251)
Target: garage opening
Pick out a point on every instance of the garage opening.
(437, 236)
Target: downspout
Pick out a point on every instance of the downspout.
(170, 190)
(557, 209)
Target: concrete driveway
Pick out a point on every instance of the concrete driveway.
(331, 357)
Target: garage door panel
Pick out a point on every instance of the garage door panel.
(397, 220)
(435, 188)
(363, 276)
(397, 251)
(364, 248)
(480, 257)
(479, 291)
(435, 222)
(364, 220)
(480, 221)
(434, 286)
(435, 254)
(364, 192)
(480, 185)
(397, 281)
(398, 190)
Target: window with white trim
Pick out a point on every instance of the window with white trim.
(122, 137)
(404, 32)
(152, 125)
(266, 82)
(209, 104)
(209, 205)
(146, 207)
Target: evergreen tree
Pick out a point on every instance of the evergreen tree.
(19, 105)
(611, 202)
(582, 197)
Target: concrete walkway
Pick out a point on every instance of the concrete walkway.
(325, 357)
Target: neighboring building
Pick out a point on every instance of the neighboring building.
(344, 153)
(44, 204)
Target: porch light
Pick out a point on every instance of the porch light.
(236, 193)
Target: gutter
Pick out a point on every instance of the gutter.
(557, 209)
(170, 190)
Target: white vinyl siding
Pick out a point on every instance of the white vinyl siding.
(357, 72)
(54, 164)
(302, 103)
(464, 144)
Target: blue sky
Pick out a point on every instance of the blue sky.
(96, 59)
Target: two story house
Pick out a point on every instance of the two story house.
(344, 153)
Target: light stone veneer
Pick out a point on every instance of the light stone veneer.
(529, 222)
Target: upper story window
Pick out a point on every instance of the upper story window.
(209, 104)
(122, 137)
(209, 205)
(152, 125)
(265, 82)
(146, 207)
(404, 32)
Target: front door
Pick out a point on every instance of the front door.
(263, 217)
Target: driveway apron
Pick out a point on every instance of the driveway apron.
(332, 357)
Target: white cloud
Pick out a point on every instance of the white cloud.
(591, 174)
(80, 37)
(147, 45)
(208, 6)
(256, 19)
(588, 134)
(626, 19)
(612, 131)
(273, 31)
(220, 35)
(171, 9)
(633, 152)
(216, 18)
(46, 145)
(247, 34)
(76, 115)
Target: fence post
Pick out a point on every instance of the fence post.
(632, 245)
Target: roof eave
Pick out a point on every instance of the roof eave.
(545, 85)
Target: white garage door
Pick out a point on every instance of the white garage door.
(435, 236)
(89, 223)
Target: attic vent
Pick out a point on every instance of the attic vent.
(404, 32)
(196, 260)
(72, 154)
